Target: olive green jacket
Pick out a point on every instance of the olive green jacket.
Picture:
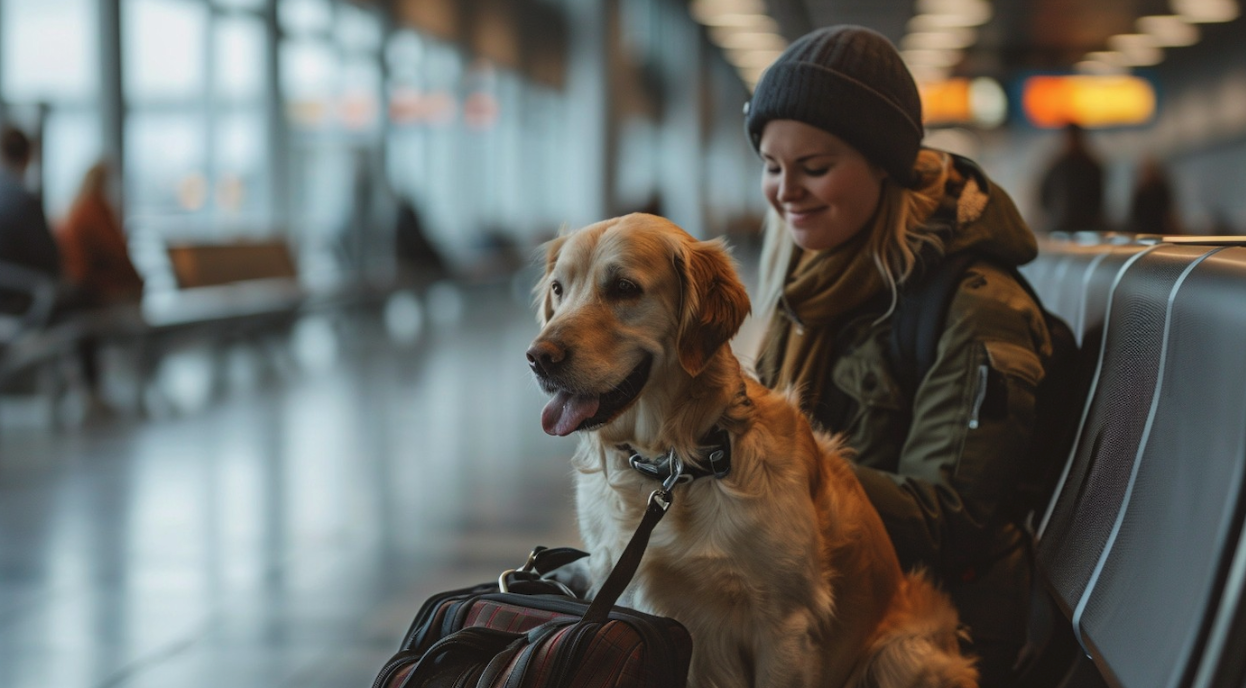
(943, 468)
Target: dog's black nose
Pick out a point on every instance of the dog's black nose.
(545, 357)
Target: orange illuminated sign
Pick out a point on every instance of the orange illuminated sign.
(1088, 100)
(946, 101)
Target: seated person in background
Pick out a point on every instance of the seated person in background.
(93, 245)
(97, 265)
(24, 235)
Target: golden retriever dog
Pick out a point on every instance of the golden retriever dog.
(778, 566)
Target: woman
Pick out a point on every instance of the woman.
(93, 246)
(858, 211)
(96, 261)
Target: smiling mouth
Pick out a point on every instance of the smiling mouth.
(568, 412)
(802, 214)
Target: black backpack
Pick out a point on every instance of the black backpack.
(916, 327)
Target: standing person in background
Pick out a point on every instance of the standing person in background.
(96, 256)
(1071, 193)
(1151, 208)
(24, 235)
(858, 211)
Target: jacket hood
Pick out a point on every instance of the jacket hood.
(987, 221)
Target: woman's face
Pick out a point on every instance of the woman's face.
(823, 188)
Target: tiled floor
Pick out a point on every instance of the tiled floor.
(286, 533)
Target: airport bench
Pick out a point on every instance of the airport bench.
(1141, 547)
(226, 293)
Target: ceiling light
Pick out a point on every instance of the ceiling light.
(705, 11)
(950, 38)
(1136, 49)
(1206, 11)
(1110, 57)
(1092, 66)
(751, 75)
(931, 58)
(1131, 41)
(927, 74)
(747, 40)
(742, 22)
(752, 59)
(954, 12)
(1169, 30)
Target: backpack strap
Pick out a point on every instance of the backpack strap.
(918, 320)
(918, 323)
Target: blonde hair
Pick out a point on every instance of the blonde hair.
(898, 233)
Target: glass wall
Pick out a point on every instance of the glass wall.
(49, 84)
(194, 88)
(314, 119)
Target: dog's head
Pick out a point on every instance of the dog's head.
(622, 302)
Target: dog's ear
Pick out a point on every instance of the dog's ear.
(714, 302)
(541, 291)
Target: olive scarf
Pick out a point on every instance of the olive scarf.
(823, 288)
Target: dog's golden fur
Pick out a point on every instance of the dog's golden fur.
(782, 571)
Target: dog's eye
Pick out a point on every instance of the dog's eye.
(556, 287)
(625, 287)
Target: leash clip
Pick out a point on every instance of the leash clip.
(675, 468)
(662, 496)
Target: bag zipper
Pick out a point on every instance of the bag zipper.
(391, 667)
(417, 631)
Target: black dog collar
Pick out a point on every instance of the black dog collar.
(718, 442)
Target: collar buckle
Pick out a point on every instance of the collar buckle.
(667, 468)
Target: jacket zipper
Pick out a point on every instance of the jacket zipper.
(983, 374)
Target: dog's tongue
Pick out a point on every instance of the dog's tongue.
(564, 413)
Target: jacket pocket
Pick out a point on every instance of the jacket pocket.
(878, 409)
(1004, 371)
(1015, 361)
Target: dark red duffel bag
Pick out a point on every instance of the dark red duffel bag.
(539, 635)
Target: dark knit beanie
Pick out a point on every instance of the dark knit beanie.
(851, 82)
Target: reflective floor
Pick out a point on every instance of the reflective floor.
(279, 527)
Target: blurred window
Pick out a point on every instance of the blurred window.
(241, 4)
(358, 30)
(163, 51)
(166, 163)
(49, 56)
(239, 60)
(241, 191)
(302, 17)
(71, 143)
(195, 93)
(333, 93)
(309, 76)
(50, 50)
